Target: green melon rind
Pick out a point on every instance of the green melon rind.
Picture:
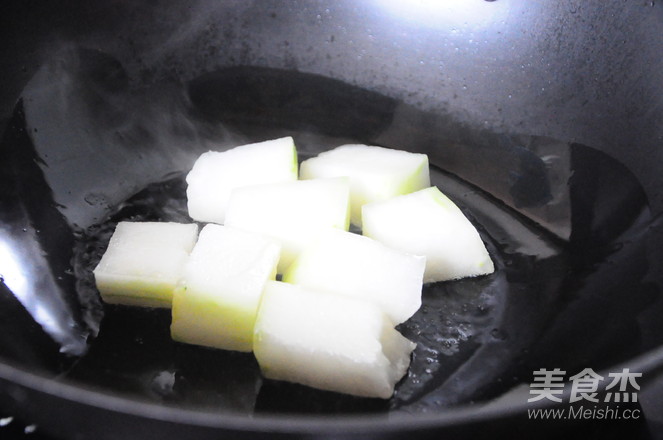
(418, 180)
(227, 326)
(130, 290)
(295, 162)
(138, 301)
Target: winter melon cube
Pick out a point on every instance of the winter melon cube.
(293, 213)
(215, 174)
(349, 264)
(328, 341)
(427, 223)
(143, 263)
(223, 282)
(375, 173)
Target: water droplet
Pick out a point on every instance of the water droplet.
(93, 199)
(163, 383)
(498, 334)
(6, 421)
(30, 429)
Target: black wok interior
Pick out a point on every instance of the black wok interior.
(558, 173)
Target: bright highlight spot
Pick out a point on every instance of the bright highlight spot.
(444, 13)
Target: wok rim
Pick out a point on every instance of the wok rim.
(650, 362)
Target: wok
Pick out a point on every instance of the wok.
(542, 121)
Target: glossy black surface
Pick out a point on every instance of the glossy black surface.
(97, 137)
(546, 287)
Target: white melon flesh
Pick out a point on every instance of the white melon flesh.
(348, 264)
(143, 263)
(223, 282)
(328, 342)
(375, 173)
(293, 213)
(215, 174)
(427, 223)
